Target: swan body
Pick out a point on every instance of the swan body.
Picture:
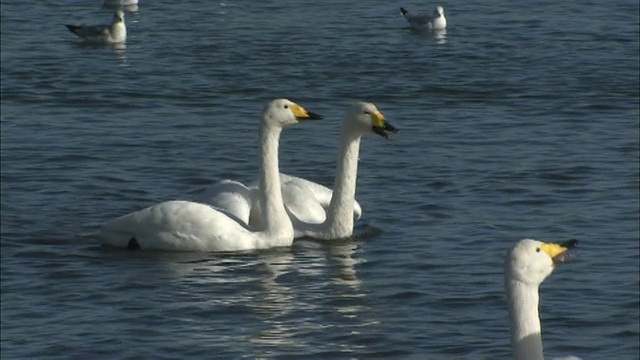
(526, 266)
(114, 3)
(316, 211)
(232, 196)
(193, 226)
(103, 34)
(421, 22)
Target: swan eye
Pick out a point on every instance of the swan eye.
(537, 249)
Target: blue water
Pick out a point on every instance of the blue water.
(521, 121)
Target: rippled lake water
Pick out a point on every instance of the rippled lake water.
(521, 121)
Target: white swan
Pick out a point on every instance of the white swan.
(114, 3)
(192, 226)
(103, 34)
(314, 210)
(422, 22)
(526, 267)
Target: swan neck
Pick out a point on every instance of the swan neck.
(340, 214)
(272, 206)
(523, 302)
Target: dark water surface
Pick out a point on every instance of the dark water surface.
(521, 121)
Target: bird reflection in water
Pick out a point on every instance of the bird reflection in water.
(308, 290)
(285, 299)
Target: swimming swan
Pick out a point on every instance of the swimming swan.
(103, 34)
(313, 209)
(422, 22)
(526, 267)
(192, 226)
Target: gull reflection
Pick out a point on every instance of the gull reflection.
(120, 51)
(440, 36)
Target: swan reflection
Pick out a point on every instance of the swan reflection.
(289, 296)
(275, 303)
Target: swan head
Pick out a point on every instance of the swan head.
(439, 11)
(531, 261)
(365, 118)
(283, 112)
(118, 16)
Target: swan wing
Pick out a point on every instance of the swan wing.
(322, 193)
(302, 204)
(231, 196)
(306, 202)
(178, 225)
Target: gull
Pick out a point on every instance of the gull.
(422, 22)
(103, 34)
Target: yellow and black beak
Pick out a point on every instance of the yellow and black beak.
(558, 251)
(382, 127)
(302, 114)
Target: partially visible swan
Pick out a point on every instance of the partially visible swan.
(125, 5)
(192, 226)
(526, 267)
(114, 3)
(315, 211)
(426, 22)
(103, 34)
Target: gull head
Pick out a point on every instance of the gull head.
(118, 16)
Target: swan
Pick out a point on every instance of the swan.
(191, 226)
(527, 264)
(421, 22)
(114, 3)
(103, 34)
(314, 211)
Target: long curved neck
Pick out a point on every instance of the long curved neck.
(526, 339)
(276, 220)
(339, 223)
